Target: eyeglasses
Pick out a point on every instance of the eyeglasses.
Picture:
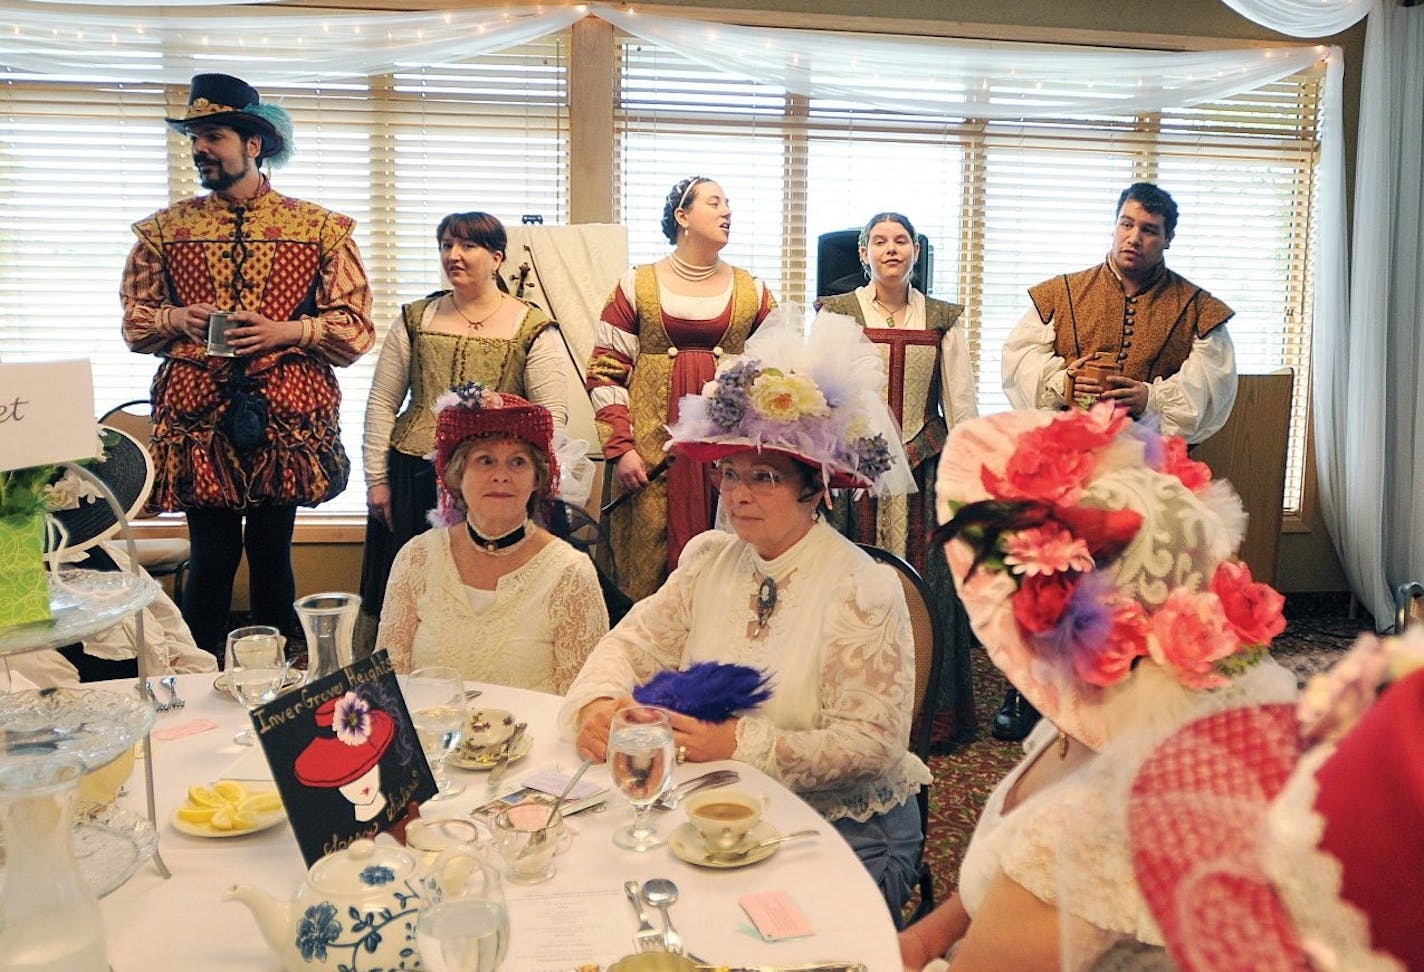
(760, 481)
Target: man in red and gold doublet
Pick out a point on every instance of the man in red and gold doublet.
(290, 277)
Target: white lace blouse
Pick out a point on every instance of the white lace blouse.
(838, 645)
(533, 631)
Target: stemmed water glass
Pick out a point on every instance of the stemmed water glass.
(256, 669)
(640, 760)
(436, 699)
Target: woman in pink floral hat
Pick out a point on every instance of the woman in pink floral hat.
(1094, 560)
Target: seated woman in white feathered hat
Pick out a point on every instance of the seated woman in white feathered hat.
(822, 629)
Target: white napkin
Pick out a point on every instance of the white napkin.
(251, 765)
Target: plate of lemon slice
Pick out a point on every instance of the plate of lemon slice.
(227, 809)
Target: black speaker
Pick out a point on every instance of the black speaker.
(838, 268)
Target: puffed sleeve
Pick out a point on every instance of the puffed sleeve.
(866, 696)
(1033, 373)
(1196, 402)
(610, 369)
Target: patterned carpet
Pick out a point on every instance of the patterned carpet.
(1317, 633)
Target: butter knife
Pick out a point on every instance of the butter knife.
(501, 765)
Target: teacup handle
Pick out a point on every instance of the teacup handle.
(445, 868)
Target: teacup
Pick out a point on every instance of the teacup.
(723, 817)
(530, 860)
(429, 838)
(487, 728)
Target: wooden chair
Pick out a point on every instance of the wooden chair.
(1250, 451)
(929, 664)
(165, 556)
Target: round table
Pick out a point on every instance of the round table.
(183, 923)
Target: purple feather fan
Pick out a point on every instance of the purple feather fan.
(710, 691)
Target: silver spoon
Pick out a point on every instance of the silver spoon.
(737, 855)
(660, 893)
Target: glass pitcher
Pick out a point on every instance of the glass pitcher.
(463, 924)
(329, 621)
(49, 917)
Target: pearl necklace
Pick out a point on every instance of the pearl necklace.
(690, 271)
(476, 325)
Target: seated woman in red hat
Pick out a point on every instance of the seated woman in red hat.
(1095, 562)
(786, 595)
(493, 595)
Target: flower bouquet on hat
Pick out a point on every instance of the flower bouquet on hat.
(1084, 545)
(822, 403)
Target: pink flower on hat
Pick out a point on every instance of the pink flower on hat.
(1049, 549)
(1190, 634)
(1252, 609)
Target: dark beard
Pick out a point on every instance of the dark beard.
(224, 179)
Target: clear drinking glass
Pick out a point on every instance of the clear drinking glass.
(256, 669)
(436, 699)
(463, 924)
(640, 759)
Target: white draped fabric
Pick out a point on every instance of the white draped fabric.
(265, 46)
(957, 78)
(1302, 18)
(1369, 436)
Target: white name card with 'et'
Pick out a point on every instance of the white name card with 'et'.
(46, 413)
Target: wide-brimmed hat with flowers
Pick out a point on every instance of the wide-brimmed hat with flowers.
(1085, 545)
(351, 738)
(472, 410)
(1289, 837)
(221, 99)
(816, 395)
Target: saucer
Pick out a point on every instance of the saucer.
(264, 820)
(487, 729)
(485, 757)
(687, 844)
(220, 684)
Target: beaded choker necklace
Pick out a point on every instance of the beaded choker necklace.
(500, 546)
(690, 271)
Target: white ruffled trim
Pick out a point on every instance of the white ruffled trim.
(1334, 933)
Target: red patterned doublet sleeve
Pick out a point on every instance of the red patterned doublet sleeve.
(143, 295)
(344, 330)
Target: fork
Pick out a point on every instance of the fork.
(153, 696)
(646, 938)
(171, 684)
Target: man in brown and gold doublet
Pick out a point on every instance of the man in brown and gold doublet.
(252, 436)
(1163, 335)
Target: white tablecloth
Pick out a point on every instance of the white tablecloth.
(183, 923)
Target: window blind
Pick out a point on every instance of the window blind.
(80, 162)
(1004, 204)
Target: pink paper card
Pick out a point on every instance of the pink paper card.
(170, 733)
(775, 915)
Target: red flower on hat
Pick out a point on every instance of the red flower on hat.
(1196, 476)
(1042, 468)
(1252, 609)
(1039, 603)
(1106, 532)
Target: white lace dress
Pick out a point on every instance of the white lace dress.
(838, 645)
(533, 631)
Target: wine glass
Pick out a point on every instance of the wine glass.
(436, 699)
(640, 759)
(463, 925)
(256, 669)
